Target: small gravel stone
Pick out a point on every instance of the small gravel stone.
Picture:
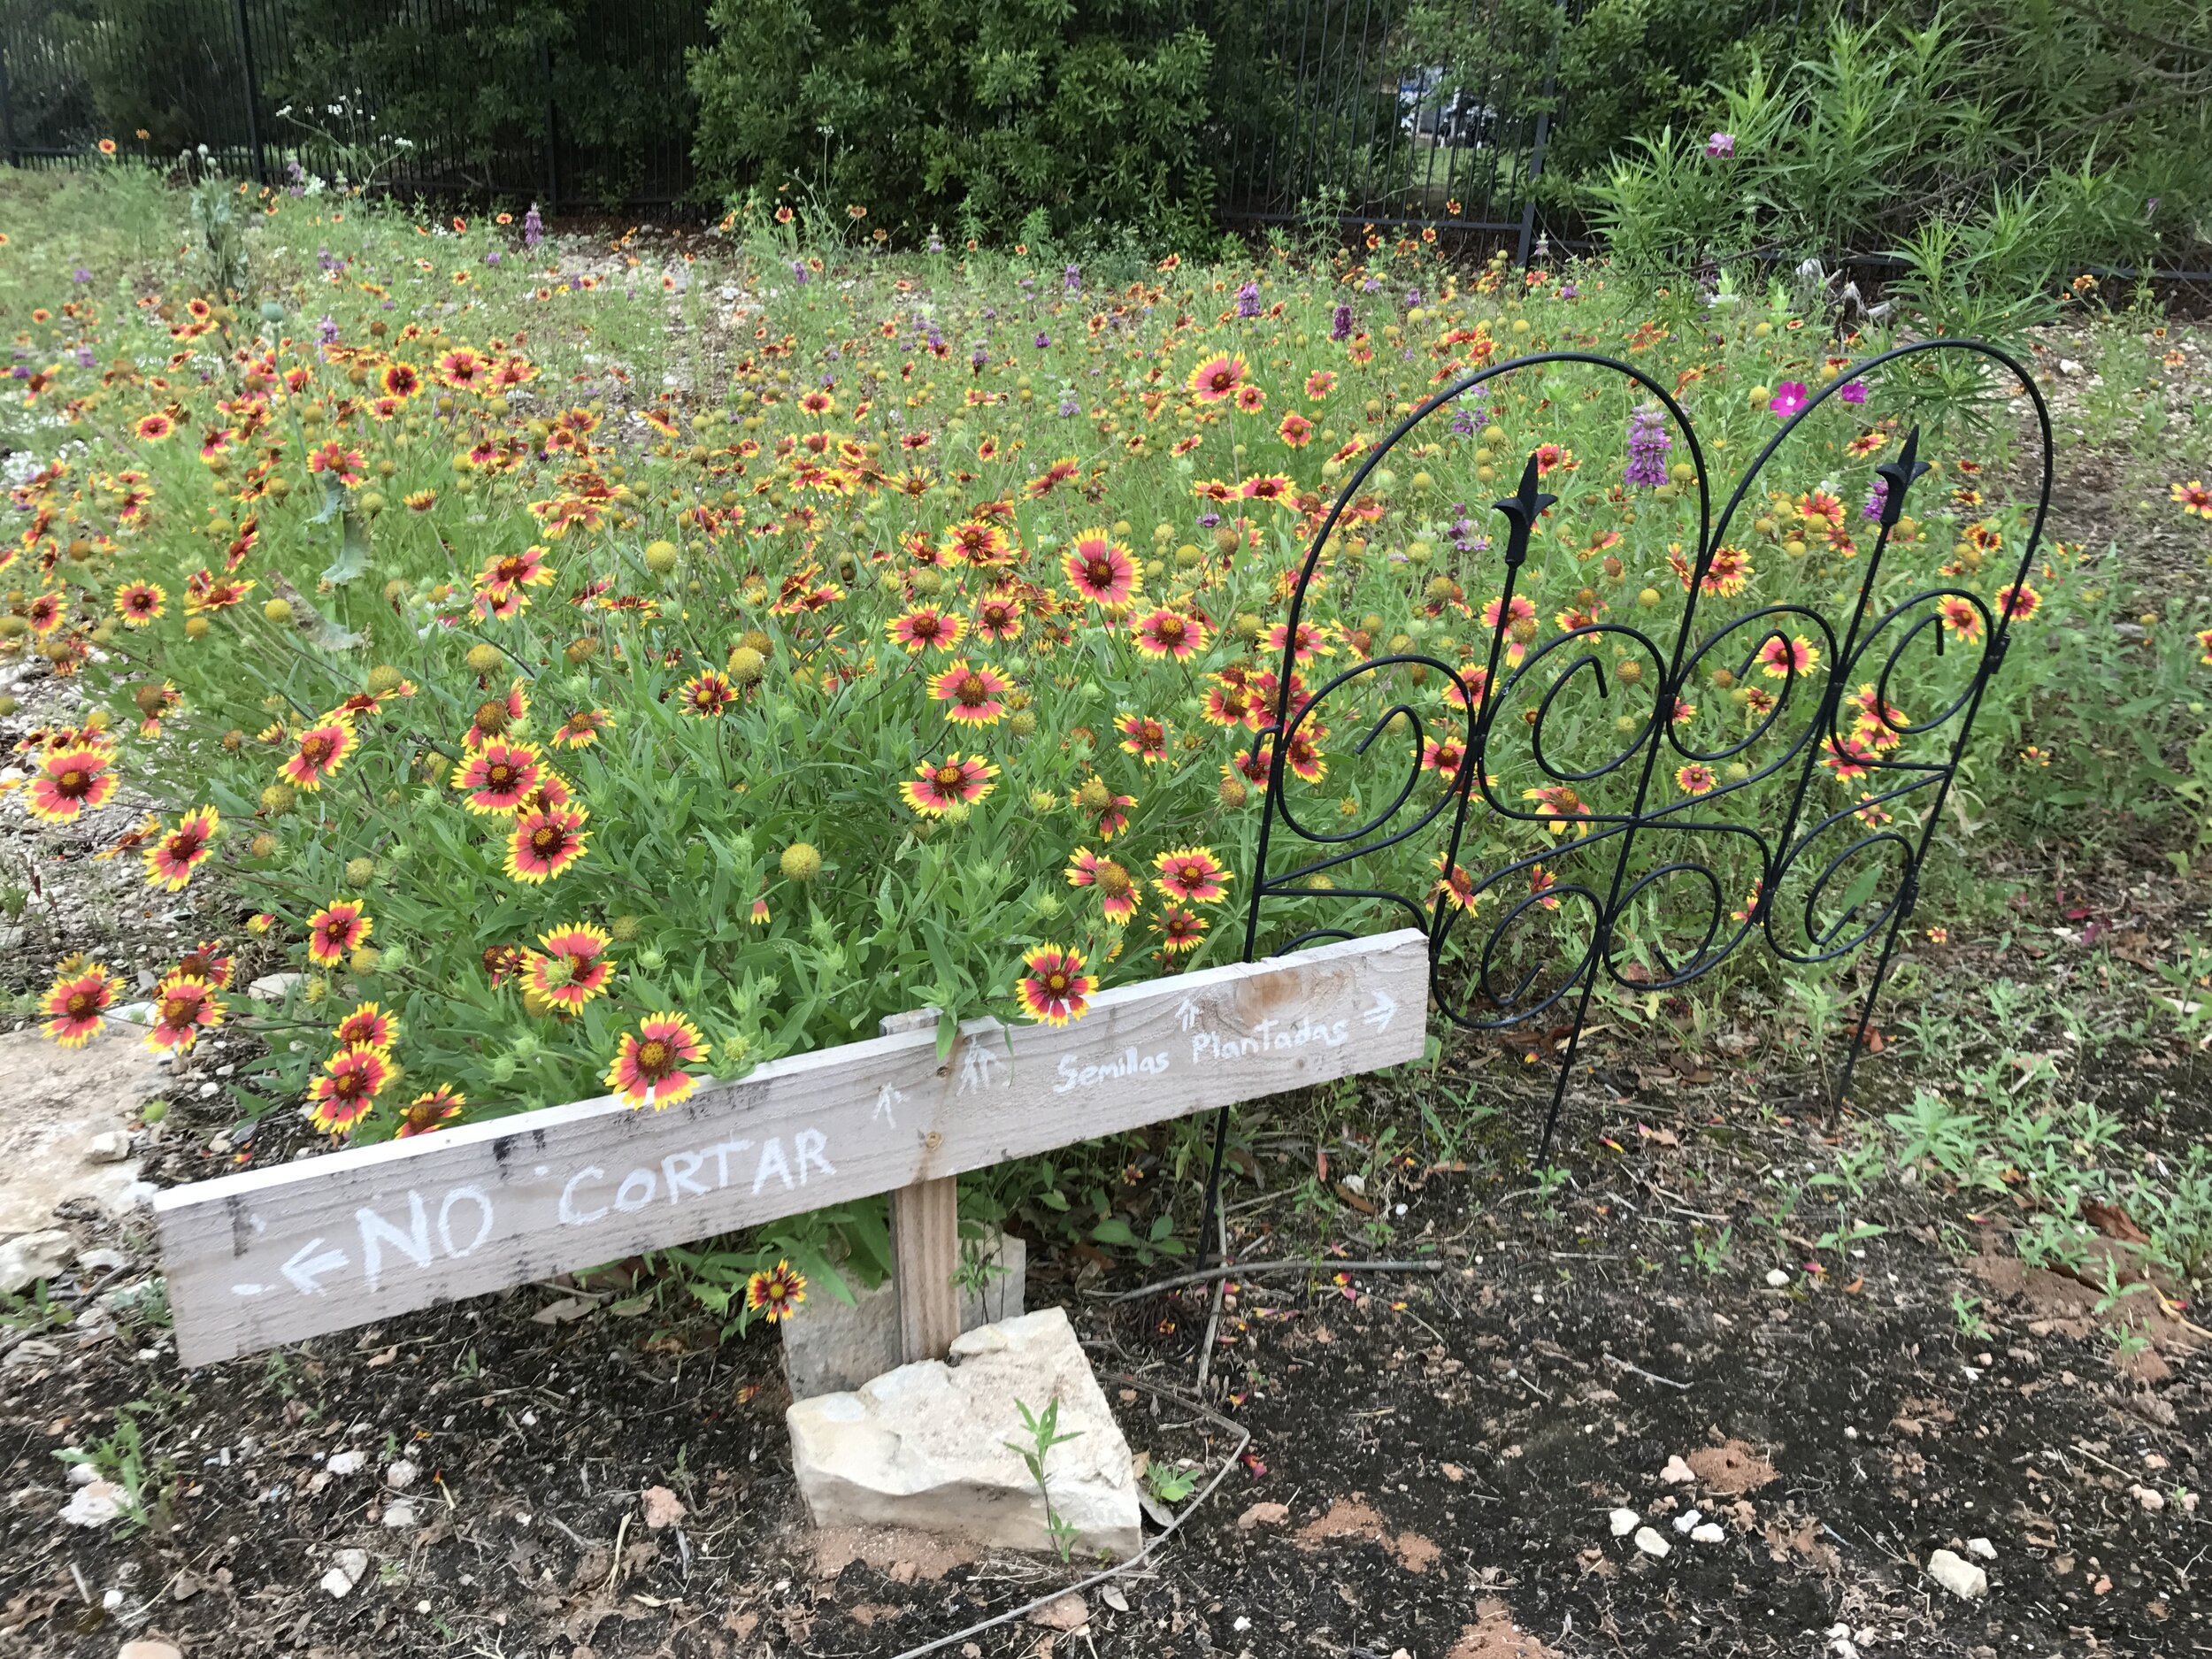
(402, 1475)
(1651, 1543)
(110, 1146)
(1677, 1473)
(1960, 1577)
(346, 1570)
(1687, 1520)
(147, 1650)
(346, 1463)
(399, 1515)
(1624, 1522)
(1777, 1279)
(1981, 1546)
(1710, 1532)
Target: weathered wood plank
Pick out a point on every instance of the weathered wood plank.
(274, 1256)
(925, 1253)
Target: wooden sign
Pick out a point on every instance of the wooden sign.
(273, 1256)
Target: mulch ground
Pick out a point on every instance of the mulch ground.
(1433, 1456)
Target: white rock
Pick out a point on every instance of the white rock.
(2149, 1497)
(1651, 1543)
(402, 1475)
(925, 1445)
(346, 1570)
(1624, 1522)
(1709, 1533)
(1677, 1473)
(104, 1260)
(346, 1463)
(147, 1650)
(53, 1102)
(33, 1257)
(274, 987)
(1960, 1577)
(1777, 1279)
(82, 1474)
(95, 1503)
(1981, 1546)
(1686, 1521)
(110, 1146)
(399, 1514)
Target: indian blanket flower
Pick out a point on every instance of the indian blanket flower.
(1295, 430)
(1099, 568)
(321, 752)
(941, 785)
(1180, 929)
(974, 693)
(332, 460)
(573, 968)
(431, 1109)
(1169, 634)
(499, 777)
(923, 626)
(1142, 736)
(708, 694)
(71, 782)
(1216, 379)
(183, 1008)
(139, 604)
(1053, 988)
(73, 1003)
(367, 1026)
(546, 842)
(346, 1092)
(1694, 778)
(2193, 497)
(171, 860)
(647, 1068)
(1647, 447)
(1116, 888)
(775, 1293)
(2017, 604)
(1779, 658)
(1192, 874)
(338, 929)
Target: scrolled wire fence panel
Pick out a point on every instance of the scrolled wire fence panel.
(1552, 812)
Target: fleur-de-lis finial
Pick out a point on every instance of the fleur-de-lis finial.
(1522, 510)
(1898, 476)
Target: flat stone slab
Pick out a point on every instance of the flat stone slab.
(831, 1347)
(55, 1104)
(925, 1446)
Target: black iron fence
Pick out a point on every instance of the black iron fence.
(567, 105)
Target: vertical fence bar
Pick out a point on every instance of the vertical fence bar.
(7, 109)
(552, 166)
(1536, 148)
(253, 94)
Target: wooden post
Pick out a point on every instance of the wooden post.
(925, 1245)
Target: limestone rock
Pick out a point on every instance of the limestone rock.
(147, 1650)
(95, 1503)
(274, 987)
(33, 1257)
(55, 1103)
(1960, 1577)
(347, 1569)
(829, 1345)
(925, 1445)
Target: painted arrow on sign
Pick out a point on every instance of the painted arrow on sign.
(273, 1256)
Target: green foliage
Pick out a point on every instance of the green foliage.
(1988, 147)
(973, 113)
(1043, 1429)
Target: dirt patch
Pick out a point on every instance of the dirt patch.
(1354, 1517)
(900, 1556)
(1494, 1635)
(53, 1102)
(1732, 1469)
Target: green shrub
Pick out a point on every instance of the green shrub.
(963, 113)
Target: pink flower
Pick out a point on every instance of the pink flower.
(1720, 146)
(1854, 392)
(1788, 398)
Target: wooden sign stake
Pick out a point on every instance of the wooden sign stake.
(924, 1244)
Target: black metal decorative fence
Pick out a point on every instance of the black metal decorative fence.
(1764, 850)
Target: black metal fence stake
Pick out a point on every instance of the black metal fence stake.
(253, 96)
(7, 110)
(552, 162)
